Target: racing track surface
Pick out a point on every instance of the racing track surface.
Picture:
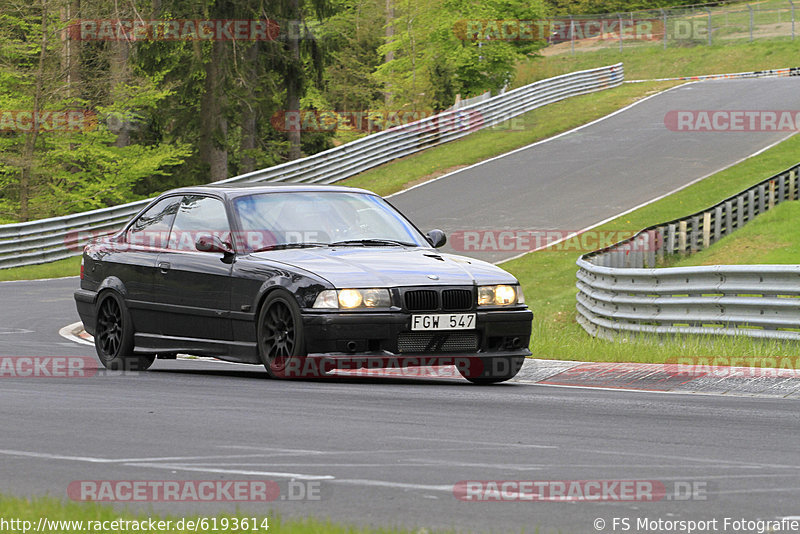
(596, 172)
(388, 451)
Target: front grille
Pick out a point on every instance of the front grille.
(435, 342)
(457, 299)
(422, 300)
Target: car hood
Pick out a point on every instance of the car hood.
(388, 267)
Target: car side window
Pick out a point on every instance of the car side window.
(152, 227)
(198, 216)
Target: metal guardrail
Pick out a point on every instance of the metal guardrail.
(620, 291)
(61, 237)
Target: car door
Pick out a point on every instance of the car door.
(135, 261)
(195, 286)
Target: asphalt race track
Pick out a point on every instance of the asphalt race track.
(388, 451)
(586, 176)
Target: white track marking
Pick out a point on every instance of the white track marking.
(487, 443)
(656, 199)
(248, 472)
(38, 280)
(68, 333)
(562, 134)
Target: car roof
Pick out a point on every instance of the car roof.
(231, 190)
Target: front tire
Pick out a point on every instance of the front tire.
(113, 336)
(492, 370)
(281, 339)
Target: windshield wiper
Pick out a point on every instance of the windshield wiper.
(373, 243)
(283, 246)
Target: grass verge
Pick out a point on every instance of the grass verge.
(643, 63)
(548, 278)
(53, 510)
(771, 238)
(56, 269)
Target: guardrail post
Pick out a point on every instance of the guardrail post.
(664, 22)
(619, 16)
(671, 238)
(717, 223)
(771, 194)
(751, 22)
(728, 217)
(651, 248)
(782, 194)
(792, 4)
(751, 205)
(660, 244)
(706, 229)
(762, 199)
(709, 26)
(793, 184)
(682, 237)
(694, 234)
(739, 211)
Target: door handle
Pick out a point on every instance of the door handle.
(163, 266)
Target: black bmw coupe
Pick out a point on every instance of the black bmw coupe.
(302, 279)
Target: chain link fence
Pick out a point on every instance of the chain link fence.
(703, 24)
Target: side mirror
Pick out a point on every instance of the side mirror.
(212, 243)
(436, 238)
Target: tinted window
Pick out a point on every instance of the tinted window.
(198, 216)
(152, 227)
(322, 216)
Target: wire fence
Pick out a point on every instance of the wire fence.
(704, 24)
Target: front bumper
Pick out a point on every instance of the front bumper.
(379, 334)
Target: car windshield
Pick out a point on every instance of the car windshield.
(320, 218)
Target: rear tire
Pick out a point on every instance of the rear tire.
(484, 371)
(281, 339)
(113, 336)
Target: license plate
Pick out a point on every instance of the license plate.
(443, 321)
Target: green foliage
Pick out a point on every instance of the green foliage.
(433, 61)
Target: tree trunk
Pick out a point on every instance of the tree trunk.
(30, 138)
(294, 80)
(248, 108)
(214, 124)
(387, 92)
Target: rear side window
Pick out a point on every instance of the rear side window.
(198, 216)
(151, 229)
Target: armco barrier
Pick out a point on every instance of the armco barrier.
(60, 237)
(620, 292)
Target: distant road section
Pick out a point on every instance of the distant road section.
(581, 178)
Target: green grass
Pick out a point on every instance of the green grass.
(33, 509)
(518, 132)
(770, 238)
(56, 269)
(650, 62)
(548, 278)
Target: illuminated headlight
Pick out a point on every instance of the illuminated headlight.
(500, 295)
(349, 299)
